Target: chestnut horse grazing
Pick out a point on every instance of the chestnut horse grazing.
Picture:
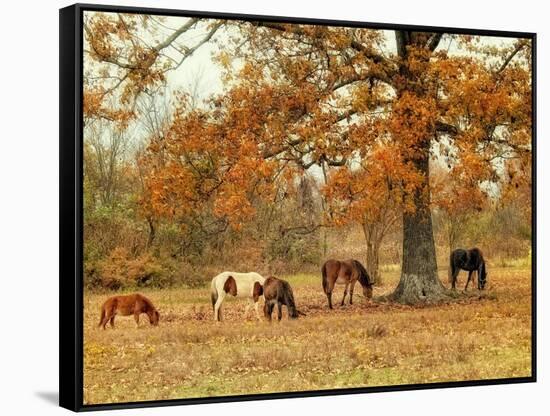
(470, 260)
(278, 292)
(135, 304)
(243, 285)
(346, 273)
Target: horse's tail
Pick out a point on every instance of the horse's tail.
(324, 273)
(213, 295)
(102, 315)
(364, 277)
(451, 268)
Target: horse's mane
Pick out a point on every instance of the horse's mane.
(478, 252)
(364, 277)
(147, 302)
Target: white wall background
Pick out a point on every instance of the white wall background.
(29, 205)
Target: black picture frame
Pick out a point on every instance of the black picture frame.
(71, 212)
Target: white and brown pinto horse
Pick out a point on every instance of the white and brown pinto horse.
(243, 285)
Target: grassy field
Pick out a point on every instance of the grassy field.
(483, 336)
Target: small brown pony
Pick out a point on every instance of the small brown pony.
(278, 292)
(346, 273)
(134, 304)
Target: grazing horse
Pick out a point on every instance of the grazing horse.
(244, 285)
(470, 260)
(347, 273)
(278, 292)
(135, 304)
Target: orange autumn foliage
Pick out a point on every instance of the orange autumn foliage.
(373, 115)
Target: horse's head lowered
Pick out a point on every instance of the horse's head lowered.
(364, 279)
(367, 291)
(289, 300)
(154, 317)
(482, 277)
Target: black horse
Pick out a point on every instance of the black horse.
(472, 261)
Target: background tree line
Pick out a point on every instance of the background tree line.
(321, 134)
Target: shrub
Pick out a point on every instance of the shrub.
(294, 249)
(120, 270)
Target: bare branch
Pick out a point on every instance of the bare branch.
(207, 38)
(168, 41)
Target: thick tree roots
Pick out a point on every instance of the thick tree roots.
(414, 289)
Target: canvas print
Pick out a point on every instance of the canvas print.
(274, 207)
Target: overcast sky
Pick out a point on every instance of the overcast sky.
(211, 73)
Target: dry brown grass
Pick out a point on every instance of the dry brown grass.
(368, 344)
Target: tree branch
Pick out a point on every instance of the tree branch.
(445, 128)
(401, 40)
(192, 50)
(302, 230)
(168, 41)
(434, 41)
(518, 48)
(384, 75)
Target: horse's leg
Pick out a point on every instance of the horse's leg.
(217, 309)
(352, 286)
(136, 317)
(110, 314)
(112, 321)
(454, 275)
(468, 281)
(279, 311)
(270, 310)
(104, 320)
(328, 291)
(345, 293)
(266, 311)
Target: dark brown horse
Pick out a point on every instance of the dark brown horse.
(470, 260)
(347, 273)
(135, 304)
(278, 292)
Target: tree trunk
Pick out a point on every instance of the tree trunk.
(452, 242)
(152, 232)
(373, 250)
(419, 282)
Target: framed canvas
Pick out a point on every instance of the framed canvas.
(257, 207)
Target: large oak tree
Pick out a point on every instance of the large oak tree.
(350, 93)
